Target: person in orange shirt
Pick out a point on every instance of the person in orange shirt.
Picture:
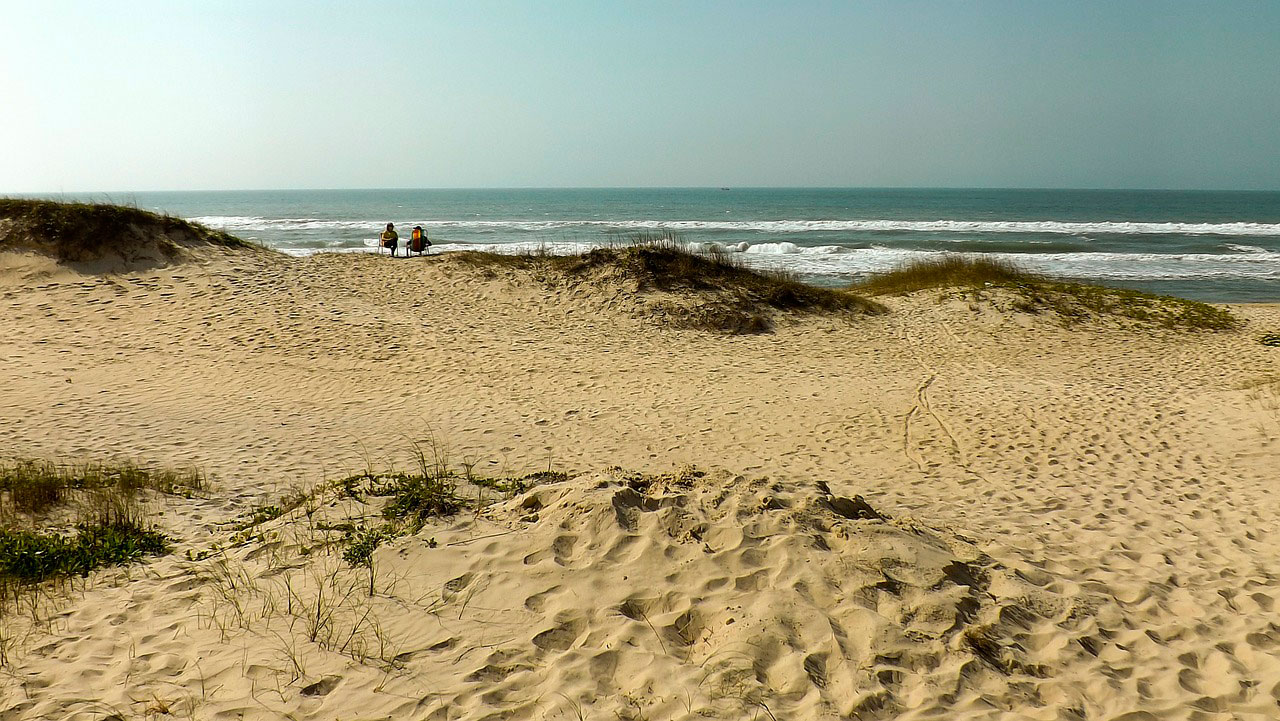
(418, 240)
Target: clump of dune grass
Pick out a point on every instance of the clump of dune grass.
(1076, 302)
(1034, 293)
(31, 487)
(719, 293)
(945, 271)
(412, 500)
(87, 231)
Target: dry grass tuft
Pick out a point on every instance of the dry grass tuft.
(33, 487)
(945, 271)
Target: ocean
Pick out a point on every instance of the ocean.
(1210, 245)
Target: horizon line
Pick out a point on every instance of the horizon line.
(643, 187)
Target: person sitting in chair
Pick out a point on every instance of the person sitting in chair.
(418, 240)
(390, 239)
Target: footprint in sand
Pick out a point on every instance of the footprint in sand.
(322, 687)
(563, 547)
(538, 601)
(561, 637)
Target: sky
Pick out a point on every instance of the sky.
(231, 94)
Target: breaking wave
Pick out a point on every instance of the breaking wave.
(851, 262)
(240, 223)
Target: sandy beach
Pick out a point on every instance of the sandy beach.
(1068, 522)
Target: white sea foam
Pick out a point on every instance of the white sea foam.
(768, 226)
(253, 222)
(1245, 248)
(1239, 261)
(842, 261)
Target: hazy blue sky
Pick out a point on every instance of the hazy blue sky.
(113, 96)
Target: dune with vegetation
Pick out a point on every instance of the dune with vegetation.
(641, 483)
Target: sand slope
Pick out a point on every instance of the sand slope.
(1083, 520)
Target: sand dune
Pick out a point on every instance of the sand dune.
(1080, 521)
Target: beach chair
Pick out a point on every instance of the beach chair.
(418, 242)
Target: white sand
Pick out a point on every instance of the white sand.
(1097, 503)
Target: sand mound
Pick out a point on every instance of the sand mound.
(617, 594)
(663, 282)
(95, 238)
(984, 281)
(716, 596)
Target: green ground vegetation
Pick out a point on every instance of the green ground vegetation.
(31, 556)
(412, 500)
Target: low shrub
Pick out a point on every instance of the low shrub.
(413, 499)
(417, 498)
(360, 543)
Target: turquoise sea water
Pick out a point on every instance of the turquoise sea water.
(1222, 246)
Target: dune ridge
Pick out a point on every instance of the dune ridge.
(101, 237)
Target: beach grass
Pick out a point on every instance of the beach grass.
(74, 231)
(435, 489)
(31, 487)
(979, 277)
(946, 271)
(412, 500)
